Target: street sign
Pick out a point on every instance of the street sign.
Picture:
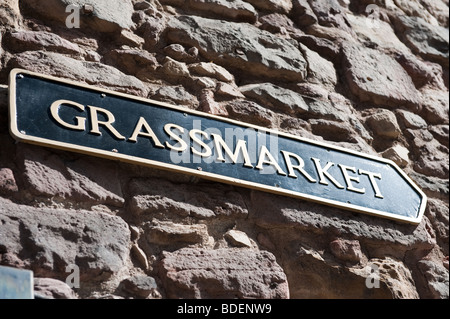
(77, 117)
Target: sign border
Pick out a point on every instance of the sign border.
(202, 174)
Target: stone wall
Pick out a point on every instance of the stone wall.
(370, 76)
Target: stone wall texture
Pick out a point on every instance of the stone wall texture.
(370, 76)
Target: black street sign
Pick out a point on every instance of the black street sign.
(63, 114)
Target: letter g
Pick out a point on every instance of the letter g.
(80, 121)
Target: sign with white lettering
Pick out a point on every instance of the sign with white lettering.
(59, 113)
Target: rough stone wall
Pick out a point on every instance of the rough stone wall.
(371, 76)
